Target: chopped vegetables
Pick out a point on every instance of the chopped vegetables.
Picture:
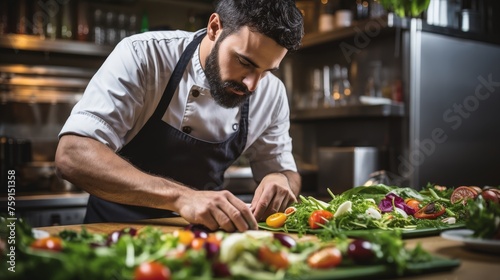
(392, 201)
(430, 211)
(149, 253)
(379, 207)
(318, 218)
(276, 220)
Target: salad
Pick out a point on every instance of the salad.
(381, 207)
(195, 253)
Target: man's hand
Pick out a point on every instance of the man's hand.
(275, 193)
(216, 209)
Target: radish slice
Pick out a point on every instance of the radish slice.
(343, 208)
(373, 213)
(401, 211)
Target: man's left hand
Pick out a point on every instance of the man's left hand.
(274, 194)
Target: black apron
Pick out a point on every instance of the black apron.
(161, 149)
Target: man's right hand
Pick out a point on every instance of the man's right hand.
(216, 210)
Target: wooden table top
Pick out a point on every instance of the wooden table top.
(474, 265)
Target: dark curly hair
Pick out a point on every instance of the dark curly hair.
(279, 20)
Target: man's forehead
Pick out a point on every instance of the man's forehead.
(261, 49)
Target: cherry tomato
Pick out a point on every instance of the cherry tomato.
(214, 238)
(197, 243)
(185, 236)
(51, 243)
(151, 271)
(277, 259)
(276, 220)
(430, 211)
(413, 203)
(319, 217)
(327, 257)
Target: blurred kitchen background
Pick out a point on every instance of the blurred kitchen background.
(400, 100)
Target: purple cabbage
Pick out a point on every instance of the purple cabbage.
(386, 204)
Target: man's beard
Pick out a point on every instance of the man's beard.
(220, 89)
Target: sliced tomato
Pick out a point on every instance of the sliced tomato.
(462, 194)
(430, 211)
(276, 259)
(319, 217)
(152, 271)
(327, 257)
(51, 243)
(276, 220)
(290, 210)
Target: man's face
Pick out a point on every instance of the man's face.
(221, 89)
(236, 64)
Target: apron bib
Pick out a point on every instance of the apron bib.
(162, 150)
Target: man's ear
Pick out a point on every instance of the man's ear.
(214, 27)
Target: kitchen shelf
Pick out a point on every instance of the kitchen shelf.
(350, 111)
(367, 26)
(34, 43)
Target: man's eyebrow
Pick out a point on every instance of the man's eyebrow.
(255, 64)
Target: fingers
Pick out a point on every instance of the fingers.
(270, 201)
(261, 204)
(243, 217)
(222, 210)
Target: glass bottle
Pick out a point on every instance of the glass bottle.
(39, 20)
(337, 86)
(346, 86)
(373, 88)
(327, 94)
(99, 33)
(122, 30)
(316, 94)
(132, 25)
(52, 28)
(145, 22)
(4, 17)
(111, 34)
(327, 10)
(67, 20)
(83, 21)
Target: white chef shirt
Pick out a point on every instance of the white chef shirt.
(126, 89)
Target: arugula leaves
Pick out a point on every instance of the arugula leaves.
(364, 201)
(483, 218)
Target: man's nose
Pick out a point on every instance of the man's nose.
(251, 81)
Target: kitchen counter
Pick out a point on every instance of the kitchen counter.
(38, 200)
(474, 265)
(48, 209)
